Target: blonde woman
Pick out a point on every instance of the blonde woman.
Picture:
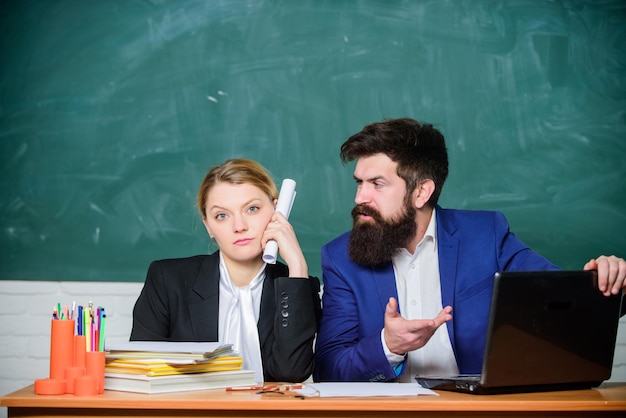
(269, 312)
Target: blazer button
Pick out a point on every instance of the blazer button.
(284, 304)
(284, 322)
(284, 295)
(284, 313)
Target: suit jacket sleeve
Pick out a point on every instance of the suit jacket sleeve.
(349, 346)
(288, 352)
(150, 314)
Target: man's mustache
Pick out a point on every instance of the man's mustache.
(367, 211)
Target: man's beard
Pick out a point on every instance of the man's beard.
(376, 241)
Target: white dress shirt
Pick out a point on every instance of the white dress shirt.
(419, 297)
(239, 308)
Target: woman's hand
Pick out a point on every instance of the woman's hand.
(280, 230)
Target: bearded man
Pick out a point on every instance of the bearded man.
(392, 284)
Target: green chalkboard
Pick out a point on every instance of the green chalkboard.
(112, 111)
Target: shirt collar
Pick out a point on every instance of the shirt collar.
(431, 231)
(429, 234)
(228, 283)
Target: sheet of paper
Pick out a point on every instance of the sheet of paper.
(337, 389)
(284, 204)
(166, 346)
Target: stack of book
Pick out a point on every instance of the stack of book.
(158, 367)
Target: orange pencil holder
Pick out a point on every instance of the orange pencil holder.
(94, 365)
(80, 349)
(61, 347)
(61, 358)
(71, 373)
(85, 386)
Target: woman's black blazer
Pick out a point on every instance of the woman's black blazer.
(180, 301)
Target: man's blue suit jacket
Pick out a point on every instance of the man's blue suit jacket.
(473, 246)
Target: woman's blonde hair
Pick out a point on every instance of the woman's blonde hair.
(236, 171)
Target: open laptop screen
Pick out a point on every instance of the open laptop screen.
(547, 330)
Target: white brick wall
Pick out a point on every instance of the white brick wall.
(25, 314)
(26, 308)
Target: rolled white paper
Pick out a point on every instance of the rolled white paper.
(284, 204)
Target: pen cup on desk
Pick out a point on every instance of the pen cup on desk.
(94, 364)
(50, 386)
(61, 347)
(79, 350)
(85, 386)
(71, 373)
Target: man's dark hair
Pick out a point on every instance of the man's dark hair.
(419, 149)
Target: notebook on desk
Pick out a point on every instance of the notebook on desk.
(550, 330)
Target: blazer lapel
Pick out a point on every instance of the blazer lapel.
(204, 300)
(448, 247)
(384, 280)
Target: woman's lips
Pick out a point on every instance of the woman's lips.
(243, 241)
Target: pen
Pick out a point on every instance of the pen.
(236, 388)
(103, 321)
(87, 328)
(282, 387)
(79, 321)
(269, 388)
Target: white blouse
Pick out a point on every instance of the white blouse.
(239, 308)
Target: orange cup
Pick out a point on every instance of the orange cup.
(94, 363)
(50, 386)
(71, 373)
(61, 347)
(85, 386)
(80, 349)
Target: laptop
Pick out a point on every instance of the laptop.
(548, 330)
